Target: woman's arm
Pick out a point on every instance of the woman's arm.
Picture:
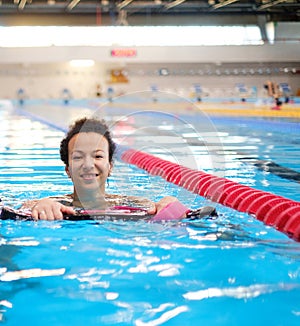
(47, 209)
(51, 209)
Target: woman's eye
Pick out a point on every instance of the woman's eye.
(76, 157)
(99, 156)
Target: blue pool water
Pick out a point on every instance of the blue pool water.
(230, 271)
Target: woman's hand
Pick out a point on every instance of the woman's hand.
(157, 207)
(49, 209)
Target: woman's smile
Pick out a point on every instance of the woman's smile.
(89, 176)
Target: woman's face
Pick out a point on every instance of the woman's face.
(89, 165)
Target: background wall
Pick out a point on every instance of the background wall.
(45, 72)
(48, 80)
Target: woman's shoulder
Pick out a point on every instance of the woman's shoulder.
(63, 199)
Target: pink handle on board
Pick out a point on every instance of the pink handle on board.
(173, 211)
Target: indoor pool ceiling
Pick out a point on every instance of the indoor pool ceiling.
(275, 10)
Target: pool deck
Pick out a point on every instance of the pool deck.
(119, 106)
(215, 109)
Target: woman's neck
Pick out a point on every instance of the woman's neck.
(88, 201)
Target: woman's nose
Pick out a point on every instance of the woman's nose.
(88, 162)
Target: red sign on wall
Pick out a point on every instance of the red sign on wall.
(123, 53)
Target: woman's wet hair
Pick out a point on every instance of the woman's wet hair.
(86, 125)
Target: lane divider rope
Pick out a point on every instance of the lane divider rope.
(277, 211)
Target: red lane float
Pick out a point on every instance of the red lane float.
(273, 210)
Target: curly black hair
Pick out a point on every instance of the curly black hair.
(86, 125)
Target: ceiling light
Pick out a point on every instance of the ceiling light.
(174, 4)
(72, 4)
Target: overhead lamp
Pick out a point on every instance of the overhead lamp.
(22, 4)
(224, 3)
(270, 4)
(174, 4)
(72, 4)
(124, 4)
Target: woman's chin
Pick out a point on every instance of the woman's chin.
(89, 190)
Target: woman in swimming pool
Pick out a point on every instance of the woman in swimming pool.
(87, 152)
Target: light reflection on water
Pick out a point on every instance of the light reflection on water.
(113, 274)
